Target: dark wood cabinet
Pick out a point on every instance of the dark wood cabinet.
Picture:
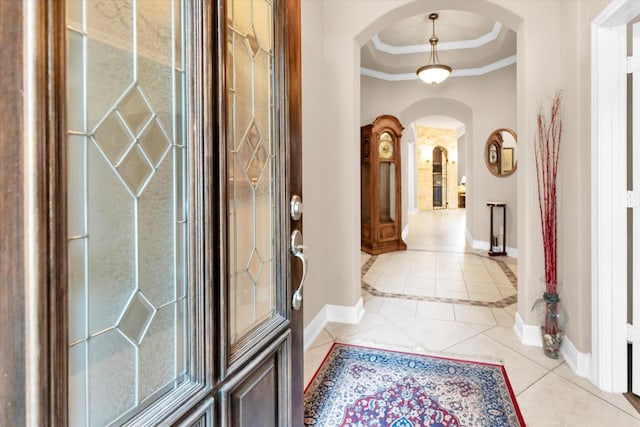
(381, 186)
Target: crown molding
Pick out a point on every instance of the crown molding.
(467, 72)
(426, 47)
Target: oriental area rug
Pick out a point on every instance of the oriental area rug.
(361, 386)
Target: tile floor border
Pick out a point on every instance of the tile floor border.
(502, 303)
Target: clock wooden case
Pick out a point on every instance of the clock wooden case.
(381, 191)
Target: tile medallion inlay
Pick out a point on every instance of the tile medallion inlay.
(498, 303)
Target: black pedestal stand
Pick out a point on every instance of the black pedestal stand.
(494, 239)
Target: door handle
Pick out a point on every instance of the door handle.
(296, 251)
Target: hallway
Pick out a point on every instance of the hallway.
(438, 267)
(440, 297)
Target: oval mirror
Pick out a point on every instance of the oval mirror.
(500, 152)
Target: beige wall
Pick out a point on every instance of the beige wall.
(553, 52)
(316, 164)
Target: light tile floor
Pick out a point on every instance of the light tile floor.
(443, 314)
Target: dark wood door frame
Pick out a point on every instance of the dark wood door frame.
(12, 298)
(294, 174)
(29, 181)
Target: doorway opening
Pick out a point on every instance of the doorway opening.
(609, 233)
(436, 167)
(440, 161)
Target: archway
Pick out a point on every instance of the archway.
(335, 106)
(508, 18)
(456, 110)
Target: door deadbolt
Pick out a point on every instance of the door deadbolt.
(296, 207)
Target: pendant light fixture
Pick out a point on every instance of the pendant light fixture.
(433, 73)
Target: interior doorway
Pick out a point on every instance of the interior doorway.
(440, 161)
(437, 164)
(609, 236)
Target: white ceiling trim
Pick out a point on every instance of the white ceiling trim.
(468, 72)
(426, 47)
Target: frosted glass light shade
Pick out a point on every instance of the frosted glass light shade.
(433, 73)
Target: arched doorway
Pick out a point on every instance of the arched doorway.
(439, 178)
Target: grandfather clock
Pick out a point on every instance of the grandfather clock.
(381, 210)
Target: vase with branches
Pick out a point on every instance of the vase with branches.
(547, 149)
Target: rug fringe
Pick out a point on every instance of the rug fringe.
(423, 351)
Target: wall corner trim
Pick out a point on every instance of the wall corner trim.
(528, 334)
(345, 314)
(332, 313)
(580, 363)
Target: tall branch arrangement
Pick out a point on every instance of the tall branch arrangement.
(547, 148)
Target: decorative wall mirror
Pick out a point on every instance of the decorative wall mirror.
(500, 152)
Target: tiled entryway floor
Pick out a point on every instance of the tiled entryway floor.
(466, 277)
(455, 306)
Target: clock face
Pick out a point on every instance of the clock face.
(385, 149)
(493, 154)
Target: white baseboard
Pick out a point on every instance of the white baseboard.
(580, 363)
(484, 246)
(332, 313)
(314, 328)
(479, 244)
(345, 314)
(405, 232)
(528, 334)
(469, 237)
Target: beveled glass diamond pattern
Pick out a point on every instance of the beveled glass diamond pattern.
(113, 138)
(249, 144)
(134, 110)
(251, 184)
(261, 163)
(255, 265)
(127, 99)
(136, 318)
(251, 40)
(154, 142)
(135, 170)
(252, 154)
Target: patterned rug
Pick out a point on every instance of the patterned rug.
(360, 386)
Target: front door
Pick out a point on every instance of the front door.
(182, 153)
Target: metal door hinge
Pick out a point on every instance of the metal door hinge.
(633, 333)
(633, 64)
(633, 199)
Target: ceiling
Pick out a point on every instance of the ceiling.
(469, 43)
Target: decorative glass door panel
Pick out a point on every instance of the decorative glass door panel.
(252, 157)
(127, 207)
(387, 184)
